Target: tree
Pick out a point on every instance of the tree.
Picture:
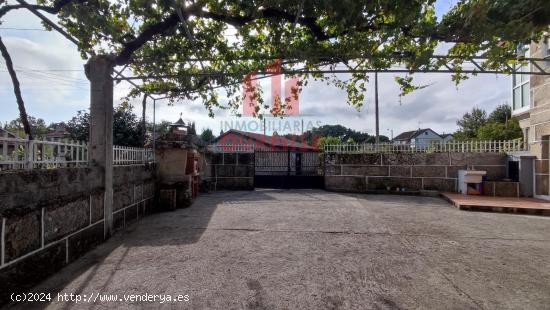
(498, 126)
(372, 139)
(470, 123)
(79, 126)
(502, 114)
(500, 131)
(340, 131)
(226, 40)
(126, 126)
(16, 90)
(207, 135)
(37, 126)
(350, 141)
(321, 142)
(192, 130)
(161, 128)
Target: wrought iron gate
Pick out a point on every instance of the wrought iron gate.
(287, 169)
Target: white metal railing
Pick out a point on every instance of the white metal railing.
(231, 148)
(18, 153)
(126, 155)
(452, 146)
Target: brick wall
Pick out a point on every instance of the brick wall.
(49, 218)
(413, 171)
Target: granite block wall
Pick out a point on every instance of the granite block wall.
(411, 171)
(49, 218)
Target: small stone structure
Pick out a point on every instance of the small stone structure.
(409, 171)
(49, 218)
(178, 156)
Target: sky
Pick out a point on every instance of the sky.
(54, 88)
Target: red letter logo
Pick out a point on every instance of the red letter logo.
(292, 89)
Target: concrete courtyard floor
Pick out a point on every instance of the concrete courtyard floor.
(310, 249)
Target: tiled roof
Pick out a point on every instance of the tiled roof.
(408, 135)
(276, 141)
(10, 135)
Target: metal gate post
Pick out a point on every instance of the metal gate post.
(287, 181)
(288, 163)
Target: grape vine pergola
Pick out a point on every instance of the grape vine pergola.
(180, 49)
(535, 66)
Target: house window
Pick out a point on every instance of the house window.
(521, 86)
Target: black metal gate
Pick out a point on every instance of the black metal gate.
(287, 169)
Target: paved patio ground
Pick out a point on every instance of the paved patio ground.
(310, 249)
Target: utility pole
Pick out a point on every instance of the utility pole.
(376, 111)
(154, 129)
(143, 122)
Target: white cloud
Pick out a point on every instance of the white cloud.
(52, 95)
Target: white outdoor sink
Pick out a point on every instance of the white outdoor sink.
(466, 177)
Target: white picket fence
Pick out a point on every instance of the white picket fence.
(18, 154)
(126, 155)
(230, 148)
(452, 146)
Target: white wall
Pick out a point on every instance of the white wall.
(425, 138)
(447, 139)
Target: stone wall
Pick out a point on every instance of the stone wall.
(133, 193)
(49, 218)
(502, 189)
(233, 171)
(412, 171)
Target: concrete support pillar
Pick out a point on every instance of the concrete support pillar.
(99, 71)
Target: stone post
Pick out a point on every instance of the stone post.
(99, 71)
(527, 175)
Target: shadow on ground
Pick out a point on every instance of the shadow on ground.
(169, 228)
(311, 249)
